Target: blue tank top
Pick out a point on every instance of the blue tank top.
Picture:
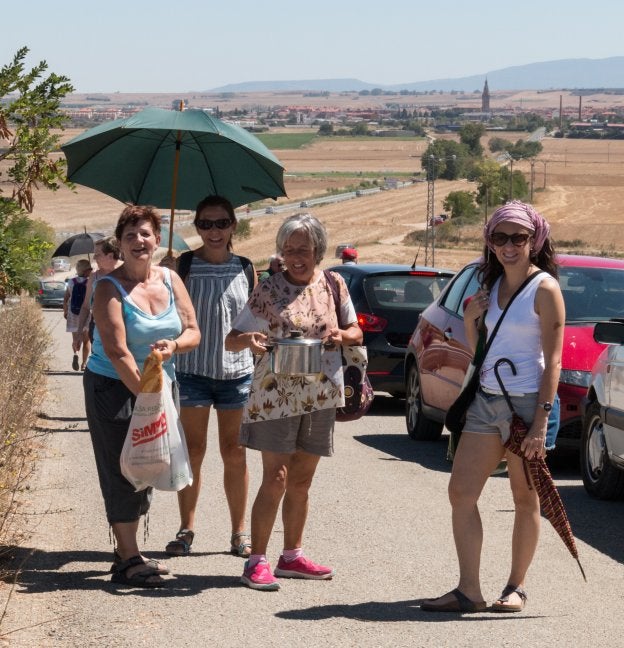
(142, 330)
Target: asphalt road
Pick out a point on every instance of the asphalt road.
(379, 515)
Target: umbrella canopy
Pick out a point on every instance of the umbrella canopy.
(538, 475)
(78, 244)
(173, 159)
(178, 243)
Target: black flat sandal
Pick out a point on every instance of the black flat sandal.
(138, 579)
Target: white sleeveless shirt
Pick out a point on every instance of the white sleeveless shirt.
(518, 339)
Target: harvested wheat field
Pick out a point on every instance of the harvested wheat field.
(578, 185)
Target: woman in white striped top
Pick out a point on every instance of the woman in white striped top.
(219, 283)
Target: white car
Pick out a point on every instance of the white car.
(61, 264)
(602, 440)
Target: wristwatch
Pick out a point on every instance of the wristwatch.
(547, 407)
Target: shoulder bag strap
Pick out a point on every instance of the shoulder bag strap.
(333, 286)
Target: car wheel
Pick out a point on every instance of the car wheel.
(600, 477)
(419, 427)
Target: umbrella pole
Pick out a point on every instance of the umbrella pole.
(174, 189)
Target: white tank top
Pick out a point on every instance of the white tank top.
(518, 339)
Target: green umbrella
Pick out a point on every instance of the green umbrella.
(171, 158)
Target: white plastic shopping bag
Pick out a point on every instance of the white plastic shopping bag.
(154, 451)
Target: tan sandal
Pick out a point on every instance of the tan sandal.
(502, 603)
(239, 546)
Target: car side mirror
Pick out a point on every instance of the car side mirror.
(611, 332)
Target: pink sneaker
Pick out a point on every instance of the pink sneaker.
(302, 567)
(259, 577)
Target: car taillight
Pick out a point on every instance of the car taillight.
(371, 323)
(40, 291)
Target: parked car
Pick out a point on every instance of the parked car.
(61, 264)
(50, 293)
(437, 355)
(388, 300)
(342, 246)
(602, 441)
(438, 220)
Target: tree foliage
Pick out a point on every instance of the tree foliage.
(29, 111)
(445, 159)
(470, 135)
(461, 204)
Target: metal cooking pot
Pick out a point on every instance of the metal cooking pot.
(295, 355)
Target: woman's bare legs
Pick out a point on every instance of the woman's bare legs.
(526, 525)
(476, 457)
(284, 476)
(235, 472)
(195, 423)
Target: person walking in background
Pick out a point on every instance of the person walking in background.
(138, 307)
(276, 264)
(106, 255)
(290, 419)
(219, 283)
(517, 248)
(75, 292)
(349, 256)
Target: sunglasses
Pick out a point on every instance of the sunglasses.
(499, 239)
(220, 223)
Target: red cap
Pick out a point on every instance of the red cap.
(349, 253)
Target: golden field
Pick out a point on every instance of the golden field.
(582, 198)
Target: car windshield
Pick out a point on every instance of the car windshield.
(53, 285)
(592, 294)
(403, 291)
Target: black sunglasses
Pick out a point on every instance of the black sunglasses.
(220, 223)
(499, 239)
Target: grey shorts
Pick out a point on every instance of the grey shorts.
(109, 406)
(490, 414)
(312, 433)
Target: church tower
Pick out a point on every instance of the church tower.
(485, 99)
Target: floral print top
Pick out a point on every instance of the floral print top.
(275, 308)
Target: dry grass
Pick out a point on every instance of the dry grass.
(24, 354)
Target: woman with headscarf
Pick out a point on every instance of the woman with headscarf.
(517, 248)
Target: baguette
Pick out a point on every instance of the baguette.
(152, 376)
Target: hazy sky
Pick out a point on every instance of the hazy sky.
(184, 45)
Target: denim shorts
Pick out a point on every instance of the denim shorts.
(201, 391)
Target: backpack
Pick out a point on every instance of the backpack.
(186, 259)
(79, 290)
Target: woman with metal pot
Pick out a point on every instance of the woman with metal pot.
(290, 417)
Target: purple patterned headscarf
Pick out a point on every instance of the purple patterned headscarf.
(526, 215)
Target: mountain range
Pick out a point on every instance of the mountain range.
(569, 74)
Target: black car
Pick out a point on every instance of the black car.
(388, 300)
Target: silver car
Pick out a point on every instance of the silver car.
(602, 441)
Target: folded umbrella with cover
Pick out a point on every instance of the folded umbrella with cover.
(173, 159)
(537, 473)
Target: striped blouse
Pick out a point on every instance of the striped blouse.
(219, 291)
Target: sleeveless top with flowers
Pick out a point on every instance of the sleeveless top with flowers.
(275, 308)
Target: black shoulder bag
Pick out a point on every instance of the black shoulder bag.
(456, 416)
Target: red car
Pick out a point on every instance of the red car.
(438, 356)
